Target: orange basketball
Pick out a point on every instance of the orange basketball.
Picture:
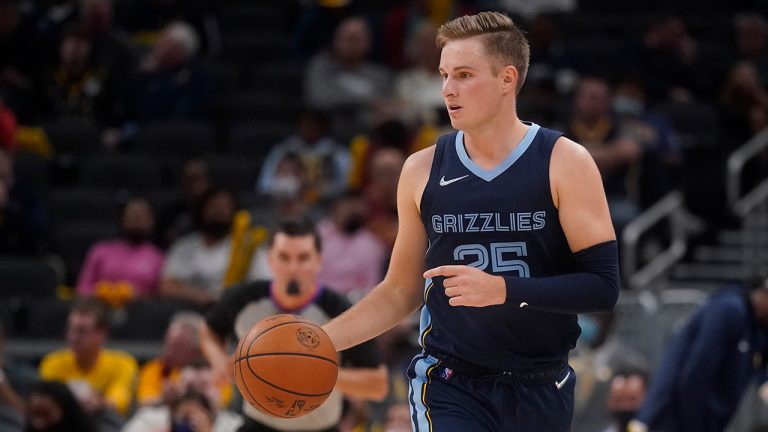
(285, 366)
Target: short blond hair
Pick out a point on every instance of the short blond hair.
(502, 39)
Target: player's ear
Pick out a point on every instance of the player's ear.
(509, 76)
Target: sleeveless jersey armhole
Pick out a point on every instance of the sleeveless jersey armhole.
(434, 173)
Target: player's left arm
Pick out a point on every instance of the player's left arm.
(593, 286)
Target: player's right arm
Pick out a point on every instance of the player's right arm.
(400, 293)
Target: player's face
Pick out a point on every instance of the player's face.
(471, 87)
(294, 258)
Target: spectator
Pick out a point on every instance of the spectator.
(744, 105)
(662, 156)
(627, 393)
(598, 356)
(709, 364)
(667, 59)
(752, 42)
(295, 259)
(195, 379)
(102, 380)
(419, 87)
(196, 263)
(354, 257)
(171, 84)
(160, 379)
(132, 259)
(325, 162)
(51, 406)
(77, 87)
(594, 125)
(381, 193)
(344, 83)
(178, 217)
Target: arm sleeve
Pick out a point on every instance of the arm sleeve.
(593, 288)
(120, 390)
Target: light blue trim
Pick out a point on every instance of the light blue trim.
(417, 386)
(494, 172)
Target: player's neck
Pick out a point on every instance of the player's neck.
(489, 144)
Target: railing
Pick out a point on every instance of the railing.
(751, 207)
(670, 207)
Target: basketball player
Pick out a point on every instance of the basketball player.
(295, 260)
(510, 222)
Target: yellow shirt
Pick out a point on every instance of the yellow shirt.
(152, 381)
(113, 375)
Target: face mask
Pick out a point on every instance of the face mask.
(627, 106)
(352, 224)
(216, 229)
(589, 329)
(285, 187)
(135, 237)
(623, 418)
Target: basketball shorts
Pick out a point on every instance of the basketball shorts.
(449, 398)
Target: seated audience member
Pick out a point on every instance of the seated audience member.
(419, 88)
(177, 218)
(326, 163)
(626, 395)
(102, 380)
(131, 260)
(344, 83)
(171, 84)
(51, 406)
(353, 256)
(196, 263)
(160, 378)
(194, 380)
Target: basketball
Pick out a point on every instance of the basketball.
(285, 366)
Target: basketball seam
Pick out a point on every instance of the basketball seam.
(283, 389)
(248, 356)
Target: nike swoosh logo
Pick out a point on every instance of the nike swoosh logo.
(444, 182)
(561, 383)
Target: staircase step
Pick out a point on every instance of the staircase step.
(728, 254)
(709, 272)
(737, 238)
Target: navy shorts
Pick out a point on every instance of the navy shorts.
(445, 400)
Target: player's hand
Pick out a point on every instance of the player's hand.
(469, 286)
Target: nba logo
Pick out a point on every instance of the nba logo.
(446, 373)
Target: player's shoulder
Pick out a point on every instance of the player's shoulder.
(566, 149)
(419, 160)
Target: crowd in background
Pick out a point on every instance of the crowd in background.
(134, 133)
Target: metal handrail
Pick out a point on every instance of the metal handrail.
(669, 207)
(743, 205)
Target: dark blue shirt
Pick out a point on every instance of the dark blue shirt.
(707, 367)
(504, 222)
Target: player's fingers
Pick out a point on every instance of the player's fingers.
(449, 270)
(457, 301)
(452, 292)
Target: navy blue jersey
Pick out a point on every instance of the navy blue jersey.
(504, 222)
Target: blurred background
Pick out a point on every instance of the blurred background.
(147, 147)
